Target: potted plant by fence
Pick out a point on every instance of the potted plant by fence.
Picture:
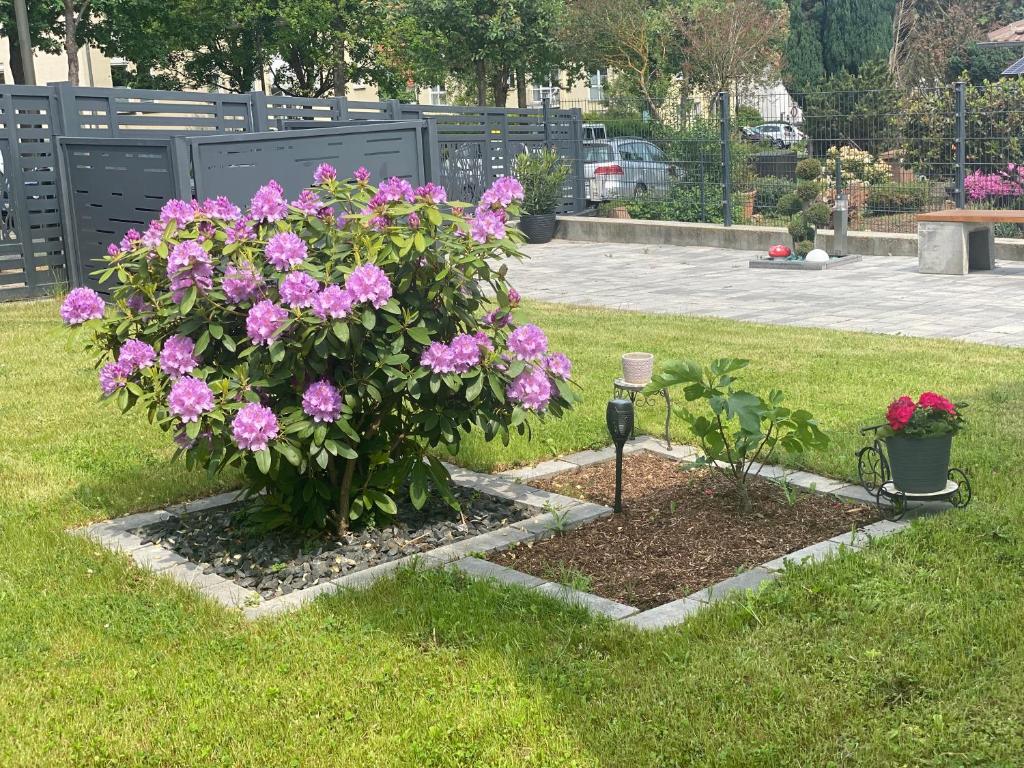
(918, 437)
(542, 174)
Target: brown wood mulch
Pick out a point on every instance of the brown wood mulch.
(680, 530)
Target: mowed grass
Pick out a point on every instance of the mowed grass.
(910, 653)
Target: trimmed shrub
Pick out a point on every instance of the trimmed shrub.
(800, 229)
(808, 169)
(324, 346)
(898, 198)
(790, 204)
(769, 192)
(802, 247)
(807, 190)
(818, 214)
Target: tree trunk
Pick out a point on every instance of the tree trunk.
(521, 88)
(481, 83)
(344, 494)
(340, 73)
(71, 40)
(17, 72)
(743, 494)
(500, 87)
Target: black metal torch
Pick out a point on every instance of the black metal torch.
(619, 418)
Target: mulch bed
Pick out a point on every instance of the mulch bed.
(680, 530)
(279, 562)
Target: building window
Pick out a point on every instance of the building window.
(550, 89)
(598, 80)
(438, 95)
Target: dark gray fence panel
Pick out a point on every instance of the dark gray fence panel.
(236, 166)
(110, 186)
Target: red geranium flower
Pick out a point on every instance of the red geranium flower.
(938, 402)
(899, 413)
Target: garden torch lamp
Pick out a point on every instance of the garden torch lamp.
(619, 417)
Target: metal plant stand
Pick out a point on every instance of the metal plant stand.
(622, 388)
(875, 477)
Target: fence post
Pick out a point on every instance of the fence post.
(394, 109)
(960, 89)
(341, 104)
(726, 182)
(547, 121)
(579, 173)
(258, 111)
(70, 123)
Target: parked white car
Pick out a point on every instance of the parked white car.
(626, 167)
(781, 135)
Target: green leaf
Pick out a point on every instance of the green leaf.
(474, 389)
(340, 330)
(188, 300)
(228, 342)
(418, 334)
(369, 319)
(263, 460)
(289, 452)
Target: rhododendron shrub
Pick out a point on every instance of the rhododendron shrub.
(931, 414)
(325, 345)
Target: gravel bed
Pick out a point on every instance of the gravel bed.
(281, 562)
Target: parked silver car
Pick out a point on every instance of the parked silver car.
(781, 135)
(626, 167)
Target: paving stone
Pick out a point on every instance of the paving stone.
(586, 458)
(138, 520)
(819, 483)
(544, 469)
(882, 528)
(666, 615)
(549, 523)
(751, 579)
(156, 558)
(230, 594)
(855, 493)
(210, 502)
(119, 541)
(856, 539)
(811, 554)
(592, 603)
(482, 569)
(677, 452)
(191, 575)
(492, 541)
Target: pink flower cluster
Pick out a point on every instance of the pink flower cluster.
(299, 289)
(902, 410)
(987, 186)
(463, 353)
(286, 250)
(369, 283)
(268, 204)
(136, 354)
(177, 357)
(324, 173)
(431, 193)
(113, 376)
(81, 305)
(322, 401)
(531, 389)
(253, 427)
(241, 284)
(188, 264)
(190, 398)
(264, 321)
(489, 220)
(332, 302)
(527, 342)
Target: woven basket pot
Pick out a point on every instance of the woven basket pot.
(637, 367)
(919, 464)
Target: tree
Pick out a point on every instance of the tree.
(45, 27)
(636, 38)
(736, 42)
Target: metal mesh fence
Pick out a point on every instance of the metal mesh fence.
(894, 154)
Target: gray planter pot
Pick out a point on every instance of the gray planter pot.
(538, 227)
(919, 464)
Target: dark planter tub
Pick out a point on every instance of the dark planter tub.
(538, 227)
(919, 464)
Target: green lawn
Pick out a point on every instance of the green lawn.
(909, 654)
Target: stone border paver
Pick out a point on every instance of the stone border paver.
(554, 513)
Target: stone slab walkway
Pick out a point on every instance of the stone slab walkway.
(877, 295)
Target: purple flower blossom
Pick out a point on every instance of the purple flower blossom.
(531, 389)
(113, 376)
(239, 231)
(527, 342)
(324, 172)
(414, 220)
(80, 305)
(190, 398)
(361, 175)
(497, 318)
(378, 223)
(114, 250)
(483, 341)
(502, 193)
(264, 321)
(438, 358)
(268, 204)
(253, 427)
(136, 354)
(465, 352)
(513, 297)
(136, 303)
(368, 282)
(286, 250)
(432, 193)
(178, 210)
(177, 356)
(299, 289)
(153, 235)
(333, 302)
(241, 284)
(485, 224)
(394, 190)
(558, 365)
(322, 401)
(221, 208)
(189, 264)
(308, 203)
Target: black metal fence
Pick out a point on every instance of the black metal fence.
(465, 149)
(734, 157)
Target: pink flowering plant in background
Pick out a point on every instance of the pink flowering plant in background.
(931, 414)
(324, 345)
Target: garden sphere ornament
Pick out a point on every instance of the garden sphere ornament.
(817, 255)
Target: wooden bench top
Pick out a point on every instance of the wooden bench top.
(973, 216)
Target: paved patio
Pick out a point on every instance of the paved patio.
(878, 295)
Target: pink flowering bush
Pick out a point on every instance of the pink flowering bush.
(324, 345)
(931, 414)
(995, 187)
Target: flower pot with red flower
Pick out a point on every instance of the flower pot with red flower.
(918, 437)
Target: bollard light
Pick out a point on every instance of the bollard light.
(619, 418)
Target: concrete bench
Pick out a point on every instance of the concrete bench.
(956, 241)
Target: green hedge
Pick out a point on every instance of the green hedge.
(769, 190)
(908, 197)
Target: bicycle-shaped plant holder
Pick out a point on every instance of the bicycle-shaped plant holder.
(875, 477)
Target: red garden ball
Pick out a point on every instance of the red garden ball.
(779, 251)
